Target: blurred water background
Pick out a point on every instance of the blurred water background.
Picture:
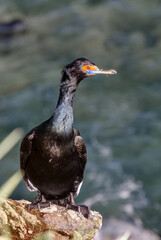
(119, 117)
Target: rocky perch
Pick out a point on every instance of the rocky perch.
(55, 222)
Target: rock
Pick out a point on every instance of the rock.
(54, 222)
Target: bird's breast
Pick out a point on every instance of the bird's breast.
(52, 152)
(53, 168)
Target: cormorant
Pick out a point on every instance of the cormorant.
(15, 26)
(53, 154)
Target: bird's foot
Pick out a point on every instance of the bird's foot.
(39, 198)
(39, 202)
(42, 202)
(84, 210)
(39, 205)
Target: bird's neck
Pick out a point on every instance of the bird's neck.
(62, 121)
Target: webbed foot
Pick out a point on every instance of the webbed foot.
(39, 202)
(39, 205)
(84, 210)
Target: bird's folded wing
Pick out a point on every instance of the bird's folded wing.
(81, 147)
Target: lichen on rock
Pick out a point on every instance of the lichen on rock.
(56, 222)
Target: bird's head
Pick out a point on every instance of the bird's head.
(82, 68)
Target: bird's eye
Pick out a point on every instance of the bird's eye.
(88, 67)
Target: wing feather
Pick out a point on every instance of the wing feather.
(25, 150)
(81, 148)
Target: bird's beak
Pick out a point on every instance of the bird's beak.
(101, 71)
(93, 70)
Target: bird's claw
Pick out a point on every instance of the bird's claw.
(84, 210)
(39, 205)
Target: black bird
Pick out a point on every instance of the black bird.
(53, 154)
(15, 26)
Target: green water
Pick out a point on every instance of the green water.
(118, 116)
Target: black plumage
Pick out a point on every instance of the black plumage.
(53, 154)
(9, 29)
